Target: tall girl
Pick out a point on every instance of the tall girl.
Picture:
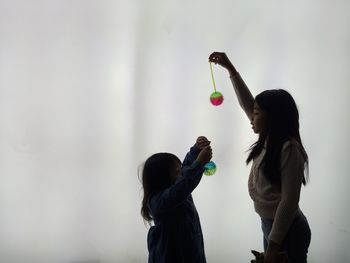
(277, 173)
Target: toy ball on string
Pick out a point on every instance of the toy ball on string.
(216, 98)
(209, 168)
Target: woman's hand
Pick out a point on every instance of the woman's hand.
(202, 142)
(222, 59)
(272, 253)
(271, 258)
(259, 257)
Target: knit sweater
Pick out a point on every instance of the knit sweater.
(278, 201)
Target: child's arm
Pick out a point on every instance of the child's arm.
(178, 192)
(245, 98)
(192, 155)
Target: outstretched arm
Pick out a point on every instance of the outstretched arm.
(245, 98)
(192, 155)
(171, 197)
(178, 192)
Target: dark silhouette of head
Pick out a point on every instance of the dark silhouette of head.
(159, 172)
(282, 124)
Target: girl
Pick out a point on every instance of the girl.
(277, 173)
(167, 184)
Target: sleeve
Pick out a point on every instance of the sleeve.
(191, 156)
(292, 172)
(192, 172)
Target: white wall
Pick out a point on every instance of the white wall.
(90, 89)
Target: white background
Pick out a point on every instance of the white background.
(90, 89)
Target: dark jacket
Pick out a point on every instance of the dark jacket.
(177, 236)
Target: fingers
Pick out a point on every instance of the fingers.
(205, 155)
(202, 142)
(201, 138)
(255, 253)
(206, 152)
(259, 257)
(216, 57)
(209, 150)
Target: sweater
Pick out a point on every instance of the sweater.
(279, 202)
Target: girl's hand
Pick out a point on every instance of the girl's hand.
(202, 142)
(222, 59)
(205, 155)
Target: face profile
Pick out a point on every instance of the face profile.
(258, 120)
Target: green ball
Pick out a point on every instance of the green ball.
(209, 168)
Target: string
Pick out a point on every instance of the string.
(212, 76)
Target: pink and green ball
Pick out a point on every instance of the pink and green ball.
(209, 168)
(216, 98)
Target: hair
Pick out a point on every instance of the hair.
(282, 124)
(158, 173)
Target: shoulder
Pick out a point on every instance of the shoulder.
(292, 144)
(292, 151)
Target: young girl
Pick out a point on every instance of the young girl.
(277, 173)
(167, 184)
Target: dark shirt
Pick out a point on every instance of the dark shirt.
(177, 236)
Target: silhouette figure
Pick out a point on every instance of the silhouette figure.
(277, 172)
(176, 236)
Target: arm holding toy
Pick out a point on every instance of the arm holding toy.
(192, 155)
(192, 171)
(245, 98)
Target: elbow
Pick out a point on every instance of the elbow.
(291, 202)
(289, 205)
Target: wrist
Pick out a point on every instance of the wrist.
(196, 149)
(200, 161)
(233, 74)
(232, 71)
(273, 247)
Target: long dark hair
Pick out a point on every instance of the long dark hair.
(159, 172)
(282, 124)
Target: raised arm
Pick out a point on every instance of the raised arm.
(245, 98)
(192, 155)
(171, 197)
(192, 171)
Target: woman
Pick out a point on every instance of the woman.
(277, 173)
